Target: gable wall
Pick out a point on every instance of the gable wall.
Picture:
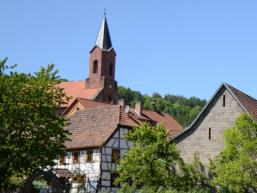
(117, 141)
(74, 109)
(218, 118)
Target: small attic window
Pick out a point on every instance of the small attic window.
(95, 66)
(224, 100)
(209, 133)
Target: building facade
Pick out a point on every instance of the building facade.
(205, 134)
(97, 141)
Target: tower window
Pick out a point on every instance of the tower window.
(95, 66)
(110, 69)
(109, 98)
(209, 133)
(224, 100)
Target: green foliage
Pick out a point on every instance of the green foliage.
(153, 164)
(182, 108)
(235, 169)
(31, 134)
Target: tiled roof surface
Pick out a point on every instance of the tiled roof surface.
(126, 119)
(249, 103)
(92, 126)
(77, 89)
(86, 103)
(167, 120)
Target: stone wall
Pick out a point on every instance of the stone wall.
(215, 119)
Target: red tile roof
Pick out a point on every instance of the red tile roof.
(77, 89)
(167, 120)
(86, 103)
(248, 102)
(92, 127)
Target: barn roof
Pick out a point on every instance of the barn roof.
(247, 103)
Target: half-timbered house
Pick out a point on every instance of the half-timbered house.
(97, 142)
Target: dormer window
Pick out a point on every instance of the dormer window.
(95, 66)
(110, 69)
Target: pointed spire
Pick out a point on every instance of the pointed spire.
(103, 40)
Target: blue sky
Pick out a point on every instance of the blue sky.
(180, 47)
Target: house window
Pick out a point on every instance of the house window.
(113, 178)
(89, 156)
(209, 133)
(81, 179)
(224, 100)
(75, 178)
(62, 159)
(95, 66)
(115, 155)
(110, 69)
(75, 157)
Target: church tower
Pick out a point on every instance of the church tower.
(102, 66)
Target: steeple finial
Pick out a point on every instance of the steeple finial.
(104, 11)
(103, 40)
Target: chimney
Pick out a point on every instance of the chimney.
(138, 108)
(121, 102)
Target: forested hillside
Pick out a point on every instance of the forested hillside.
(182, 108)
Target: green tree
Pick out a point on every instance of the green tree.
(154, 165)
(31, 134)
(183, 109)
(235, 169)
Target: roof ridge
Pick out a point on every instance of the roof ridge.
(240, 91)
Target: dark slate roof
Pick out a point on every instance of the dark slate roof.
(103, 40)
(248, 104)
